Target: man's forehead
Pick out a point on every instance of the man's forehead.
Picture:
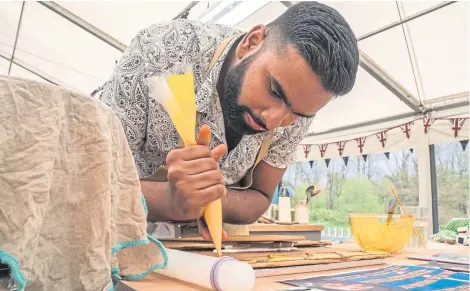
(295, 75)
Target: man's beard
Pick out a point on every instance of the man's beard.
(232, 111)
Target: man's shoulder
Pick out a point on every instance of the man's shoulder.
(300, 127)
(190, 29)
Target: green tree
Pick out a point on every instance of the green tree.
(452, 181)
(359, 195)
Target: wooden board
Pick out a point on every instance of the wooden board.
(311, 243)
(188, 245)
(285, 260)
(259, 227)
(201, 245)
(315, 268)
(443, 258)
(243, 238)
(307, 256)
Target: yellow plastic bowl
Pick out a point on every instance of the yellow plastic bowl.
(371, 232)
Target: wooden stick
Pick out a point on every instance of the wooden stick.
(404, 211)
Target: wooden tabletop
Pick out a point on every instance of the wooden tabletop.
(159, 282)
(284, 227)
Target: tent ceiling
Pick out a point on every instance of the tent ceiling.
(394, 58)
(263, 16)
(441, 44)
(4, 65)
(60, 48)
(19, 71)
(427, 56)
(359, 105)
(123, 20)
(9, 15)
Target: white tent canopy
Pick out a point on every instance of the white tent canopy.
(426, 58)
(414, 60)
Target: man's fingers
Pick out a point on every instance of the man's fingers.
(204, 231)
(205, 196)
(224, 235)
(202, 228)
(188, 153)
(206, 179)
(204, 135)
(218, 152)
(205, 234)
(204, 138)
(198, 166)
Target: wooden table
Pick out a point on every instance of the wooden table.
(310, 231)
(159, 282)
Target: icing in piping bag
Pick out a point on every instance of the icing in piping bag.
(175, 91)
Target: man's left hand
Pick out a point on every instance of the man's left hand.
(204, 230)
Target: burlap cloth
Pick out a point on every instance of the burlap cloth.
(71, 210)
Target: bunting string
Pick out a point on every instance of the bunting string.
(456, 125)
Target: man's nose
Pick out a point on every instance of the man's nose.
(275, 116)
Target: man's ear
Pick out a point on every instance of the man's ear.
(251, 42)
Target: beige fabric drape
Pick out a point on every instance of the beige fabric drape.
(71, 208)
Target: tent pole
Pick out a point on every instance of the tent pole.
(80, 22)
(16, 37)
(185, 12)
(406, 19)
(411, 53)
(448, 98)
(421, 146)
(388, 82)
(434, 191)
(32, 70)
(288, 4)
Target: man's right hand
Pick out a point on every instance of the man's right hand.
(194, 177)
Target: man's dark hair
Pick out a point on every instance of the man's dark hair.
(323, 38)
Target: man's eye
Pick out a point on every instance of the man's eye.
(274, 92)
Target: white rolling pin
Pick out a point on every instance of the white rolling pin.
(220, 274)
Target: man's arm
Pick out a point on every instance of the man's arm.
(245, 207)
(239, 207)
(242, 207)
(159, 209)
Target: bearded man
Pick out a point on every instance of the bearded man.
(258, 91)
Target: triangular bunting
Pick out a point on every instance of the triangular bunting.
(327, 162)
(306, 148)
(406, 128)
(387, 154)
(427, 123)
(341, 145)
(382, 136)
(311, 164)
(322, 148)
(360, 143)
(346, 159)
(364, 157)
(411, 150)
(457, 124)
(464, 144)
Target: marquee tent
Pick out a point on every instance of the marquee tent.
(412, 88)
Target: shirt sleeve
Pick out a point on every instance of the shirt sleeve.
(282, 150)
(126, 94)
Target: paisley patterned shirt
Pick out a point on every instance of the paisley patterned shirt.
(149, 130)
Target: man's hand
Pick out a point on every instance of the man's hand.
(194, 177)
(204, 230)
